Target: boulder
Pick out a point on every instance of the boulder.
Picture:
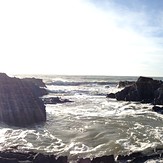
(20, 103)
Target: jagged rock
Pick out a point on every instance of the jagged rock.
(55, 100)
(20, 104)
(144, 90)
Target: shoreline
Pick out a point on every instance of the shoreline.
(24, 156)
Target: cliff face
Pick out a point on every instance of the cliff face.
(20, 104)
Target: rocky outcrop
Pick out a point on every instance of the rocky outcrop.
(20, 104)
(144, 90)
(55, 100)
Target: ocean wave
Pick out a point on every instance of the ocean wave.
(76, 83)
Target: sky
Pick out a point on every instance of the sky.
(82, 37)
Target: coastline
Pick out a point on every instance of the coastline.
(21, 156)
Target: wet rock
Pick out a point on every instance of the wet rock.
(158, 109)
(39, 157)
(110, 95)
(139, 157)
(55, 100)
(62, 159)
(84, 160)
(104, 159)
(20, 104)
(8, 160)
(132, 156)
(11, 156)
(158, 99)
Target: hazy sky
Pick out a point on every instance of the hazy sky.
(82, 37)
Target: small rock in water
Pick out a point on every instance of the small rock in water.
(158, 109)
(55, 100)
(110, 95)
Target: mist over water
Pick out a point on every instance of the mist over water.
(90, 126)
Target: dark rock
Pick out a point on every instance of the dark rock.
(8, 160)
(158, 98)
(39, 157)
(20, 104)
(144, 79)
(55, 100)
(129, 93)
(84, 160)
(15, 156)
(138, 157)
(110, 95)
(144, 90)
(62, 159)
(158, 109)
(131, 156)
(26, 161)
(125, 83)
(35, 88)
(104, 159)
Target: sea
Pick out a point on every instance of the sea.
(91, 125)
